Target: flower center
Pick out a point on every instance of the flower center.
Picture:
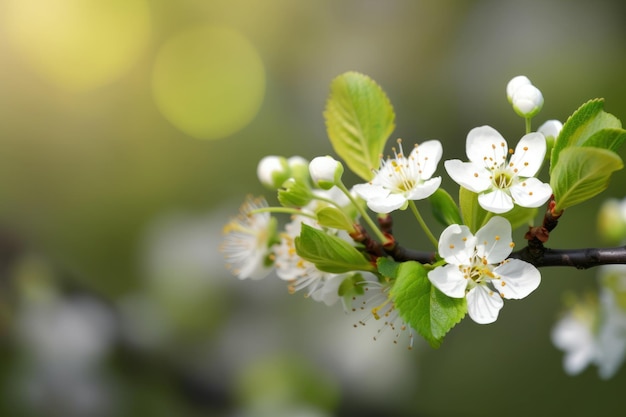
(502, 178)
(478, 271)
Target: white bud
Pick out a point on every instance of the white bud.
(325, 171)
(273, 171)
(551, 129)
(299, 168)
(514, 84)
(527, 100)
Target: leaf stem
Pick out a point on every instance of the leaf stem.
(363, 213)
(420, 220)
(286, 210)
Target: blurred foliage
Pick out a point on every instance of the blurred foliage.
(108, 196)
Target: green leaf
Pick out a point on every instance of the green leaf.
(422, 306)
(444, 208)
(582, 173)
(474, 216)
(611, 139)
(359, 119)
(581, 126)
(333, 217)
(387, 267)
(329, 253)
(519, 216)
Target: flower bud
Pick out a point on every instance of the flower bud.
(295, 193)
(550, 130)
(273, 171)
(527, 100)
(612, 221)
(514, 84)
(325, 171)
(299, 168)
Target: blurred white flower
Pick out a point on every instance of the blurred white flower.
(300, 273)
(247, 239)
(272, 171)
(379, 305)
(593, 330)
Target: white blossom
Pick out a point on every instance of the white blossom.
(378, 304)
(247, 240)
(502, 181)
(301, 274)
(403, 178)
(478, 269)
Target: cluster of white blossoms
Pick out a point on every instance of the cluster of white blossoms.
(472, 266)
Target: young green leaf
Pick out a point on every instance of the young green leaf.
(444, 208)
(474, 216)
(611, 139)
(387, 267)
(329, 253)
(582, 173)
(581, 126)
(422, 306)
(333, 217)
(359, 119)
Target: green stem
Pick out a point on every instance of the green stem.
(363, 213)
(528, 125)
(286, 210)
(420, 220)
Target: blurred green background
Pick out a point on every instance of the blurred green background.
(130, 131)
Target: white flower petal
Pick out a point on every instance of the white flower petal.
(449, 280)
(472, 176)
(370, 190)
(514, 84)
(493, 240)
(529, 154)
(483, 305)
(551, 128)
(427, 154)
(424, 190)
(575, 338)
(517, 279)
(486, 142)
(383, 205)
(496, 201)
(328, 292)
(530, 192)
(456, 245)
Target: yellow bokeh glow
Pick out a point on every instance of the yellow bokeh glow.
(77, 44)
(208, 81)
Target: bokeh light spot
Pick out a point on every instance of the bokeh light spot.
(78, 44)
(209, 81)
